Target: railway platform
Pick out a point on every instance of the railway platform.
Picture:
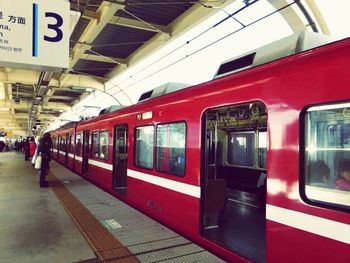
(74, 221)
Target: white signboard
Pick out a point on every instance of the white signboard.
(34, 34)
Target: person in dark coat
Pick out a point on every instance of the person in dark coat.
(26, 149)
(44, 150)
(16, 145)
(21, 143)
(2, 146)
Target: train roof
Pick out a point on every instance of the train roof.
(179, 93)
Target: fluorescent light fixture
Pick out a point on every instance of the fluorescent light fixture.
(77, 88)
(42, 90)
(47, 75)
(37, 100)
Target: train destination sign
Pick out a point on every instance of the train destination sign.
(34, 34)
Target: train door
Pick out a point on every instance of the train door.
(86, 152)
(233, 179)
(120, 161)
(66, 148)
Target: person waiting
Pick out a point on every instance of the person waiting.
(32, 147)
(319, 174)
(44, 150)
(343, 181)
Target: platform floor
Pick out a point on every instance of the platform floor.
(74, 221)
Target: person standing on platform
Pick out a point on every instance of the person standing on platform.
(26, 149)
(44, 150)
(2, 146)
(32, 147)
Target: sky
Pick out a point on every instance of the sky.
(193, 64)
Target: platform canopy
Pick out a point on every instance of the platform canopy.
(121, 48)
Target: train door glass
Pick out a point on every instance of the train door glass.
(120, 161)
(66, 148)
(233, 179)
(86, 151)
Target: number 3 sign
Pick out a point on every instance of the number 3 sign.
(56, 27)
(35, 34)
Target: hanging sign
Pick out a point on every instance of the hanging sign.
(34, 34)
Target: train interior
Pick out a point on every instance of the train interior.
(234, 179)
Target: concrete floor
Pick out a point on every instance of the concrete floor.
(34, 227)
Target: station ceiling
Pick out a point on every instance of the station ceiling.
(109, 37)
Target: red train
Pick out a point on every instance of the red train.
(247, 165)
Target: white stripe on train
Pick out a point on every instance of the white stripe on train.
(106, 166)
(187, 189)
(313, 224)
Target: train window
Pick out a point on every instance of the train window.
(144, 142)
(241, 148)
(103, 145)
(78, 144)
(95, 144)
(327, 154)
(170, 151)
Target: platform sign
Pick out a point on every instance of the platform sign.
(34, 34)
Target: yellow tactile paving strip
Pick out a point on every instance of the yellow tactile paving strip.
(105, 246)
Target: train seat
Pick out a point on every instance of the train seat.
(243, 179)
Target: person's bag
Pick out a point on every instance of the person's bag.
(34, 157)
(38, 161)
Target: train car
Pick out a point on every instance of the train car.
(252, 165)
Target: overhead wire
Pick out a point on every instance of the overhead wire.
(136, 3)
(247, 5)
(210, 44)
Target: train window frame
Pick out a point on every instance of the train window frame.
(95, 145)
(135, 147)
(185, 148)
(107, 144)
(317, 195)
